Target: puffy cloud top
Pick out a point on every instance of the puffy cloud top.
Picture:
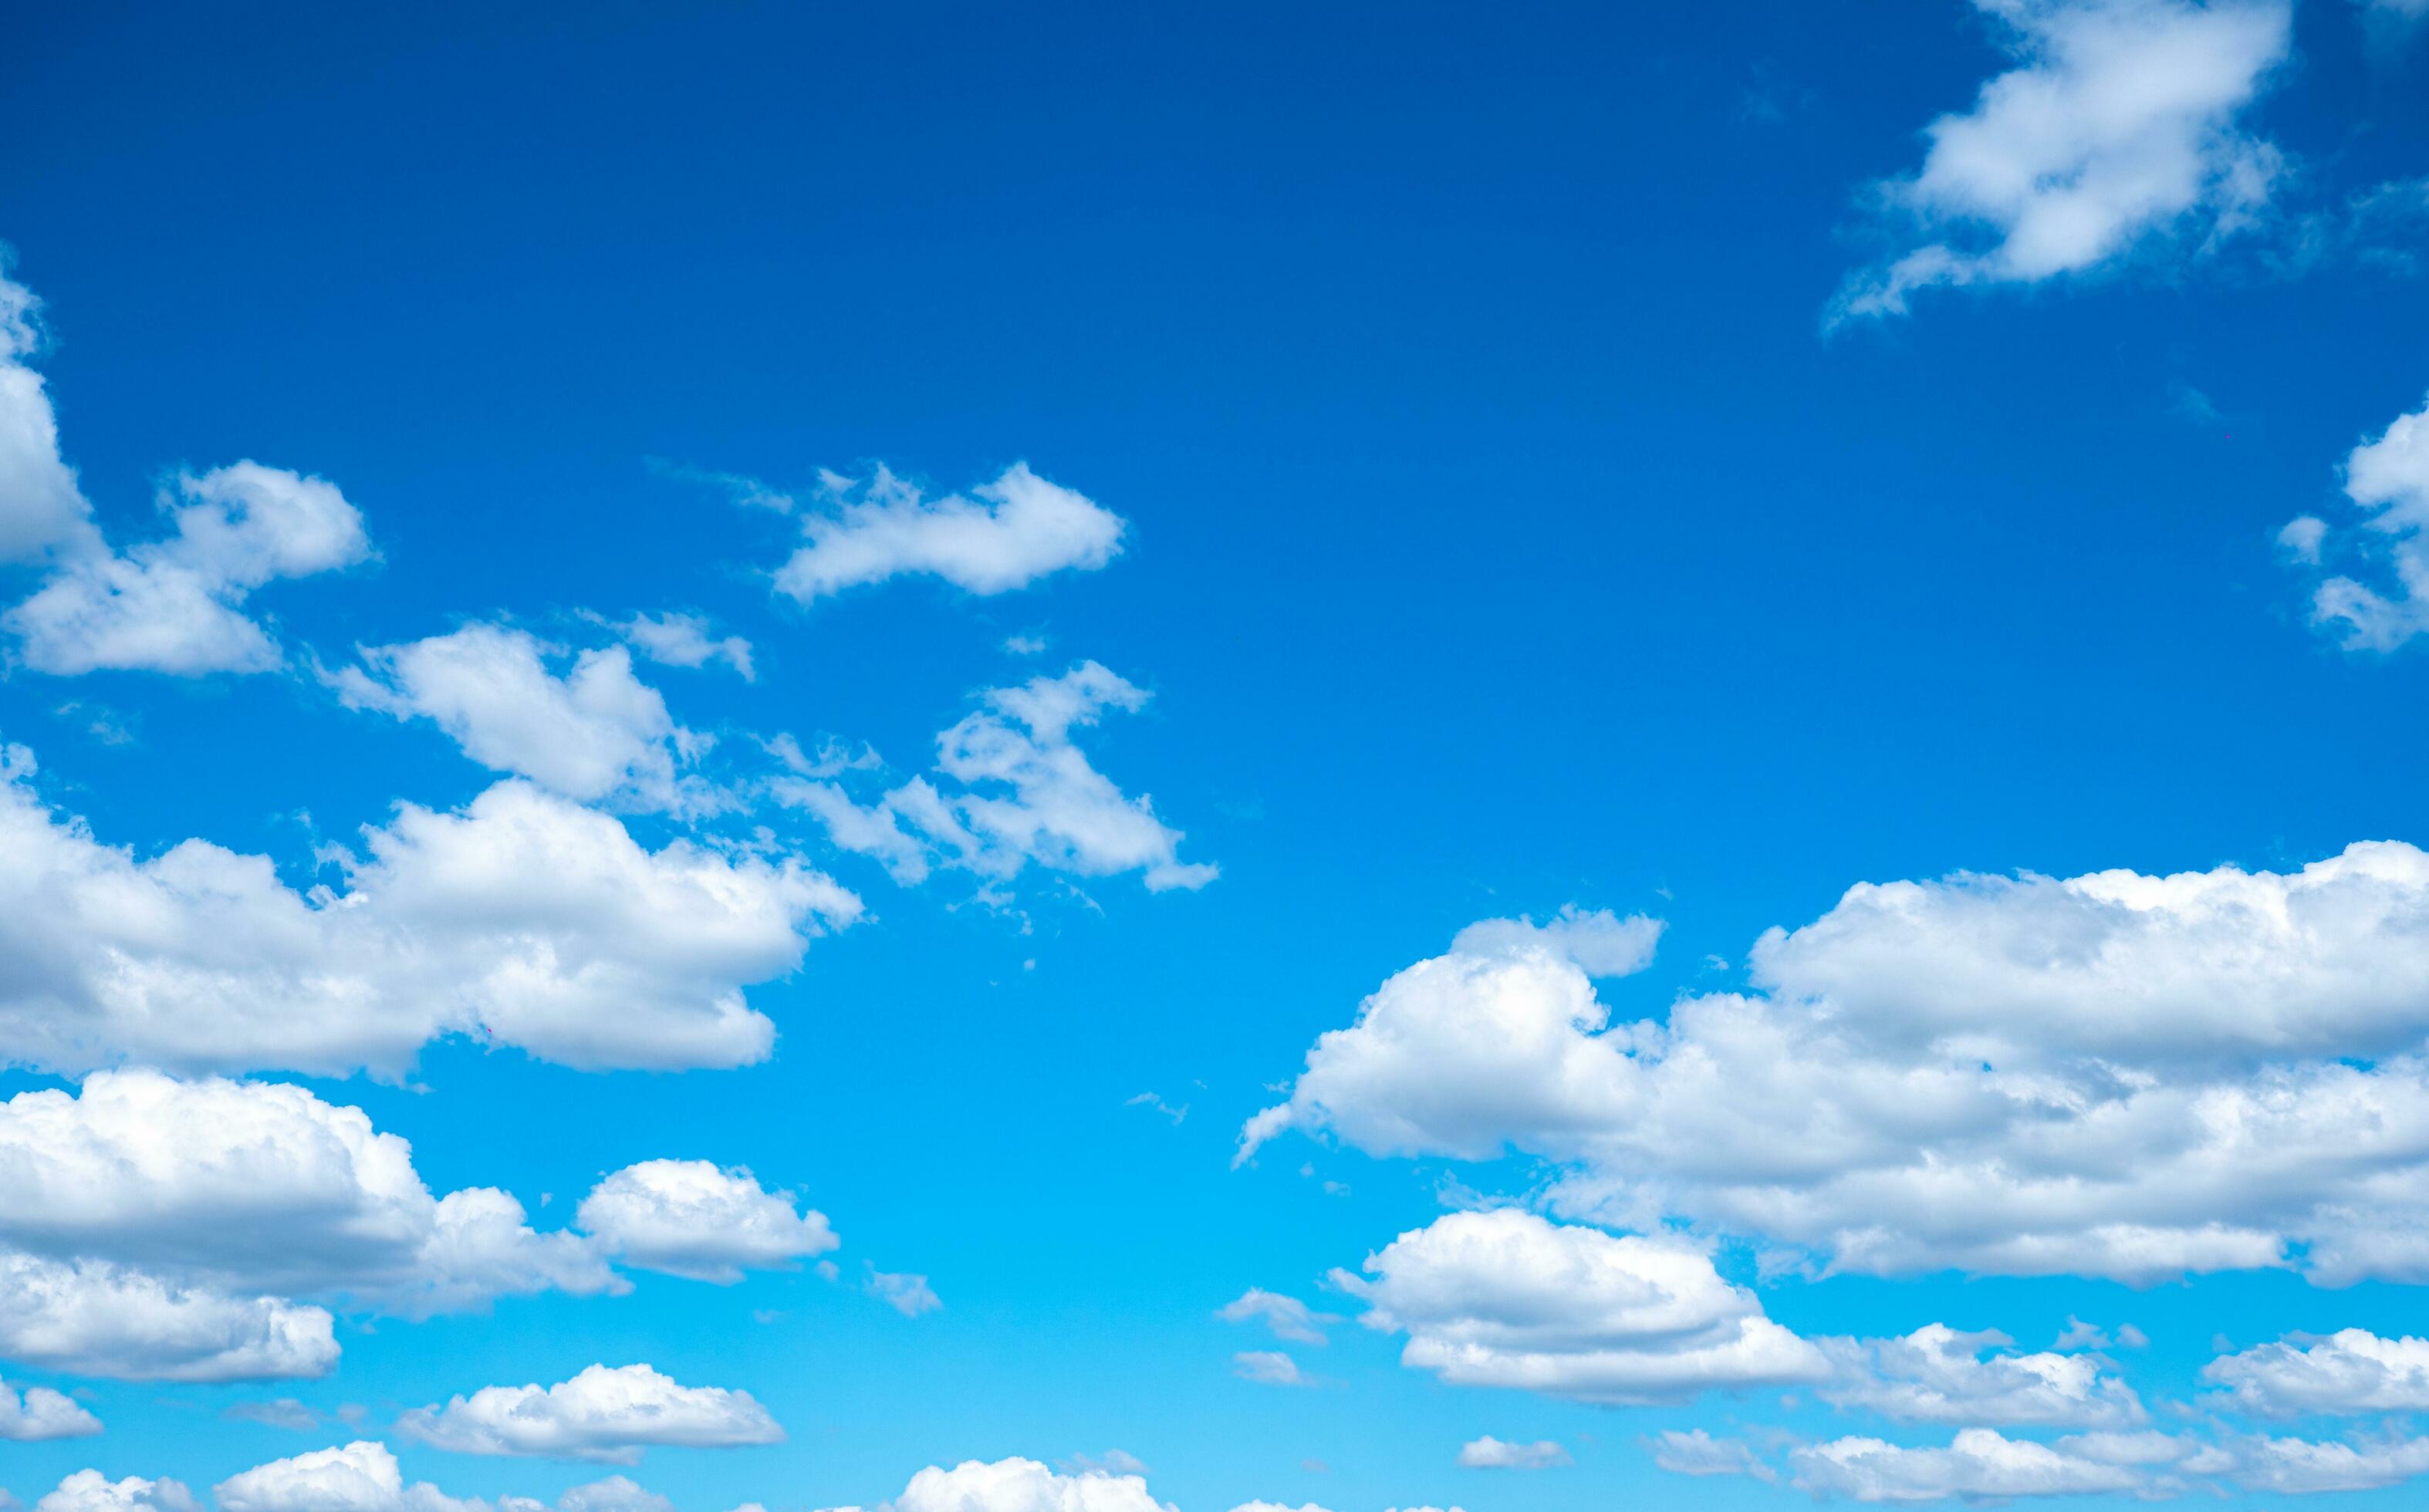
(1017, 529)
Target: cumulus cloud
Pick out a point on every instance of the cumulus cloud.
(685, 640)
(2120, 125)
(524, 920)
(690, 1218)
(1489, 1453)
(1284, 1317)
(37, 1413)
(1938, 1374)
(88, 1490)
(92, 1317)
(614, 1494)
(1506, 1298)
(2351, 1371)
(361, 1476)
(1269, 1367)
(1022, 793)
(593, 732)
(2388, 480)
(1022, 1486)
(41, 506)
(905, 1291)
(1697, 1453)
(2112, 1074)
(177, 604)
(1015, 530)
(1978, 1463)
(601, 1414)
(2303, 1466)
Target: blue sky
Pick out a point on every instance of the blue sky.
(854, 675)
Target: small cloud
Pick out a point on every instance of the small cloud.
(1112, 1462)
(2193, 406)
(1489, 1453)
(1284, 1317)
(1316, 1467)
(285, 1412)
(1269, 1367)
(2300, 539)
(1024, 645)
(906, 1293)
(828, 1271)
(768, 1315)
(2129, 1337)
(1149, 1099)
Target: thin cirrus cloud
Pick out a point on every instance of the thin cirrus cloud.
(2113, 1075)
(155, 1229)
(175, 604)
(2386, 477)
(592, 731)
(2120, 126)
(1018, 792)
(523, 918)
(1006, 535)
(606, 1415)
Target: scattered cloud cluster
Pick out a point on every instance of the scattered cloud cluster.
(2121, 123)
(524, 920)
(1022, 793)
(2113, 1075)
(2387, 478)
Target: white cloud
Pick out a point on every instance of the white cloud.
(1017, 529)
(594, 733)
(2303, 1466)
(1697, 1453)
(360, 1477)
(524, 919)
(2113, 1075)
(1269, 1367)
(1600, 944)
(37, 1413)
(1026, 794)
(614, 1494)
(2119, 125)
(1022, 1486)
(1505, 1298)
(248, 1188)
(88, 1490)
(2351, 1371)
(689, 1218)
(92, 1318)
(685, 640)
(601, 1414)
(1938, 1374)
(1978, 1463)
(2386, 477)
(907, 1292)
(40, 507)
(1286, 1317)
(1489, 1453)
(282, 1412)
(175, 605)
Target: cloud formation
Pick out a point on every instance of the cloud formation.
(524, 920)
(1013, 532)
(2120, 125)
(2113, 1075)
(1489, 1453)
(2388, 480)
(691, 1218)
(2350, 1372)
(1022, 793)
(610, 1416)
(36, 1413)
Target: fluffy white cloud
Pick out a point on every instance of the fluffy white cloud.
(1269, 1367)
(1489, 1453)
(1286, 1317)
(2119, 124)
(2386, 477)
(1938, 1374)
(38, 1413)
(1017, 529)
(905, 1291)
(2351, 1371)
(2303, 1466)
(594, 732)
(1506, 1298)
(614, 1494)
(92, 1317)
(690, 1218)
(2114, 1075)
(88, 1490)
(359, 1477)
(524, 919)
(1697, 1453)
(1978, 1463)
(40, 507)
(1025, 793)
(177, 604)
(685, 640)
(602, 1414)
(249, 1189)
(1022, 1486)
